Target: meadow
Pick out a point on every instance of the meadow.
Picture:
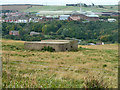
(71, 69)
(71, 8)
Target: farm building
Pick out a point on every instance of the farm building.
(57, 45)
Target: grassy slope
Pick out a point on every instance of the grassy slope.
(69, 8)
(22, 68)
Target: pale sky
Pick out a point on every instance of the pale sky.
(59, 2)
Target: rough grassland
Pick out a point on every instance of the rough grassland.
(23, 68)
(71, 8)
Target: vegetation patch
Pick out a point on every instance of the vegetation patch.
(15, 62)
(12, 47)
(98, 81)
(38, 62)
(50, 49)
(81, 48)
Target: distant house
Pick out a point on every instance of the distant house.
(74, 18)
(50, 18)
(71, 4)
(89, 16)
(34, 33)
(15, 33)
(91, 44)
(101, 43)
(22, 21)
(64, 17)
(112, 20)
(110, 13)
(10, 20)
(107, 13)
(77, 15)
(92, 17)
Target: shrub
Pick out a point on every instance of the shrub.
(50, 49)
(97, 81)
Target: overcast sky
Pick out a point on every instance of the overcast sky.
(59, 2)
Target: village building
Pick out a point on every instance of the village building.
(64, 17)
(111, 20)
(100, 43)
(74, 18)
(15, 33)
(47, 18)
(92, 17)
(110, 13)
(34, 33)
(57, 45)
(77, 16)
(89, 16)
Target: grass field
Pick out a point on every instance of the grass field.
(14, 7)
(70, 8)
(24, 68)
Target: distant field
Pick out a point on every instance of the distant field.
(70, 8)
(24, 68)
(15, 7)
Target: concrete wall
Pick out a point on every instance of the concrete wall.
(73, 44)
(58, 45)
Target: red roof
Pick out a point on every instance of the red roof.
(74, 18)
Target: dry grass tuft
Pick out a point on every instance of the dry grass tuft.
(97, 80)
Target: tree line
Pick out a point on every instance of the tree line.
(102, 31)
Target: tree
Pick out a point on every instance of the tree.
(93, 4)
(111, 7)
(4, 16)
(105, 38)
(44, 29)
(85, 5)
(100, 6)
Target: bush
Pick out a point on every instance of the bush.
(91, 41)
(97, 81)
(50, 49)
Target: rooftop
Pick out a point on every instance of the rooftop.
(92, 15)
(49, 42)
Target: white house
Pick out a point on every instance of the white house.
(111, 20)
(34, 33)
(22, 21)
(64, 17)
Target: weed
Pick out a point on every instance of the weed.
(50, 49)
(7, 58)
(95, 81)
(53, 56)
(38, 62)
(104, 65)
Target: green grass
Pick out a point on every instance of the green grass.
(36, 69)
(71, 8)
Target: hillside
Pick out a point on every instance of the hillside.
(16, 6)
(98, 31)
(24, 68)
(71, 8)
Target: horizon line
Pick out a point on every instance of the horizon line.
(49, 4)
